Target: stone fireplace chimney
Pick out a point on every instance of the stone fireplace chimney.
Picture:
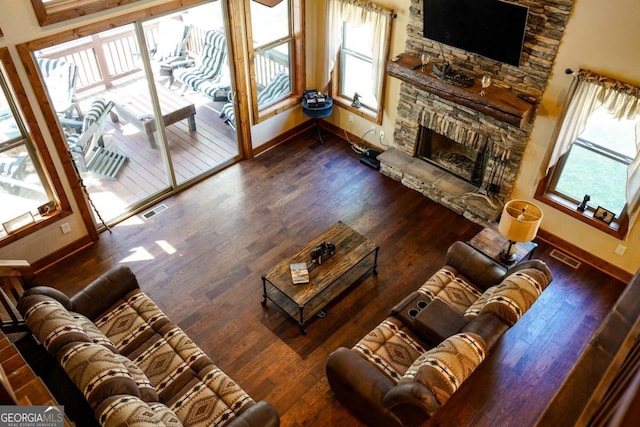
(477, 177)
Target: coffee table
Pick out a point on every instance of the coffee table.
(355, 256)
(135, 109)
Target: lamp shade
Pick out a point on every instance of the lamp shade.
(520, 221)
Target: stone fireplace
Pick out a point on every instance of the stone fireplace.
(465, 159)
(461, 156)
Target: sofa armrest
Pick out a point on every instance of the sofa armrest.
(411, 402)
(360, 386)
(104, 292)
(474, 265)
(532, 263)
(438, 321)
(50, 292)
(262, 414)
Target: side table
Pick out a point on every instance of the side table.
(490, 242)
(318, 112)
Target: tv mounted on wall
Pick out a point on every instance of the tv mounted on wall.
(491, 28)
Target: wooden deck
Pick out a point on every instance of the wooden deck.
(192, 153)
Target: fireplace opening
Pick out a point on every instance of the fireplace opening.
(465, 162)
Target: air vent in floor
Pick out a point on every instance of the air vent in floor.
(564, 258)
(155, 211)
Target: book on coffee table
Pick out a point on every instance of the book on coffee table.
(299, 273)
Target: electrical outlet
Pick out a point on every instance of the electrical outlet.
(65, 228)
(620, 250)
(381, 135)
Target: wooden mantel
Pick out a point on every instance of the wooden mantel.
(498, 102)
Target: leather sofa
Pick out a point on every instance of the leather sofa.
(133, 365)
(407, 367)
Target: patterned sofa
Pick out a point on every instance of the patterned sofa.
(408, 366)
(133, 365)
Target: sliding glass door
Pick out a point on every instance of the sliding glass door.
(139, 106)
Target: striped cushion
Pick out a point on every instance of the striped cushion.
(212, 60)
(438, 282)
(52, 324)
(390, 348)
(445, 367)
(276, 89)
(118, 411)
(186, 379)
(97, 108)
(510, 299)
(97, 372)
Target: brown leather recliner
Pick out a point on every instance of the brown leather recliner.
(450, 322)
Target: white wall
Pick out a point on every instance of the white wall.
(603, 37)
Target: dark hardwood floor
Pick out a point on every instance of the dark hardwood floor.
(201, 260)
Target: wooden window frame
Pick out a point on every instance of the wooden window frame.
(544, 193)
(36, 141)
(63, 10)
(344, 101)
(296, 61)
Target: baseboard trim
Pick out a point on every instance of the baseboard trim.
(586, 257)
(61, 254)
(282, 138)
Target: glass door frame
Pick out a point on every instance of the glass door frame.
(137, 18)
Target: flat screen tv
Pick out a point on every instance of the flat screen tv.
(491, 28)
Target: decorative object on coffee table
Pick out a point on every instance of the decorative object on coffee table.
(322, 252)
(299, 273)
(519, 222)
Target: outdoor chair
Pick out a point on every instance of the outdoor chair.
(275, 90)
(170, 47)
(87, 147)
(12, 171)
(208, 69)
(60, 78)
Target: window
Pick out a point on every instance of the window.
(52, 11)
(356, 65)
(594, 162)
(277, 56)
(597, 163)
(24, 183)
(363, 46)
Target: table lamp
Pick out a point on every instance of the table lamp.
(519, 222)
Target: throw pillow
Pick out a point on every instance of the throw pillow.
(97, 372)
(445, 367)
(515, 295)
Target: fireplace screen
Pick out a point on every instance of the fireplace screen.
(458, 159)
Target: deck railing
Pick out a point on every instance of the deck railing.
(111, 55)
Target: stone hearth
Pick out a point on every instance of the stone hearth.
(419, 108)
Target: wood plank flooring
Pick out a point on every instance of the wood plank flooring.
(201, 260)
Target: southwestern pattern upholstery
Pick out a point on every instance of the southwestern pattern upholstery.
(413, 362)
(134, 365)
(390, 348)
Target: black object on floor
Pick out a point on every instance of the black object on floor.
(370, 158)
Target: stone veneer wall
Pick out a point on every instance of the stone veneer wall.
(545, 26)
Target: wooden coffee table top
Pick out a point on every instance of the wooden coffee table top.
(351, 248)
